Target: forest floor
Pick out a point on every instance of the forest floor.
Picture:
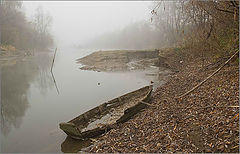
(206, 120)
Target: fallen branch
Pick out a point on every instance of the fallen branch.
(188, 92)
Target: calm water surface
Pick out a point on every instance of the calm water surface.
(31, 108)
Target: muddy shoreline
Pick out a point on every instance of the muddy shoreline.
(119, 60)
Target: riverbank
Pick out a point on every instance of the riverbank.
(9, 55)
(206, 120)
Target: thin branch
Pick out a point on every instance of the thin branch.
(157, 6)
(211, 28)
(188, 92)
(55, 83)
(227, 11)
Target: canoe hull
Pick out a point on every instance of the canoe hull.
(75, 127)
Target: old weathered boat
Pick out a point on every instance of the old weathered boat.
(105, 116)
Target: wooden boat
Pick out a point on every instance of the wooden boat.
(107, 115)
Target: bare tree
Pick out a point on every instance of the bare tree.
(42, 22)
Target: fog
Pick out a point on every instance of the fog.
(59, 60)
(78, 22)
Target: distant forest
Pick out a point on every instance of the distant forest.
(17, 32)
(207, 26)
(137, 35)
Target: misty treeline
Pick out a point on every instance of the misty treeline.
(20, 33)
(202, 25)
(208, 26)
(136, 35)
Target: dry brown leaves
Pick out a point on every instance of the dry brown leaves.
(185, 129)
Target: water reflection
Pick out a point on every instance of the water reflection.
(71, 145)
(15, 82)
(32, 108)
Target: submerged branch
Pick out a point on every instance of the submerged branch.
(55, 83)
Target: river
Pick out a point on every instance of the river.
(31, 108)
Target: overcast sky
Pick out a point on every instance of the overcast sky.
(77, 22)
